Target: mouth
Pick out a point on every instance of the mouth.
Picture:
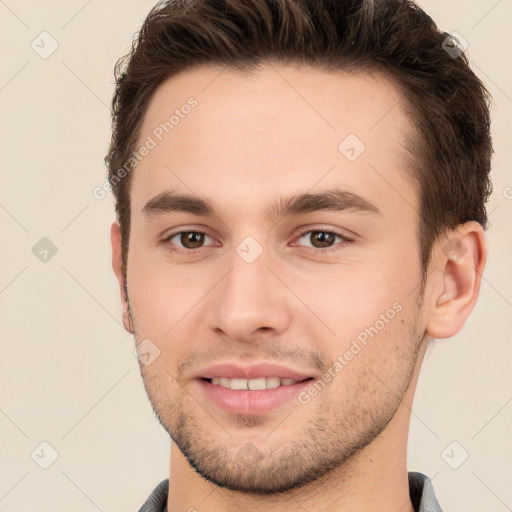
(251, 390)
(252, 397)
(256, 384)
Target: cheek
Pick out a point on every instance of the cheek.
(375, 360)
(352, 297)
(161, 293)
(371, 313)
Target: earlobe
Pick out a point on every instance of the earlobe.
(460, 263)
(117, 266)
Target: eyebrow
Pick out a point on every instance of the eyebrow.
(334, 200)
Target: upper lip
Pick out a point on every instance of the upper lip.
(252, 371)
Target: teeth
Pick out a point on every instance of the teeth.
(252, 384)
(273, 382)
(255, 384)
(238, 383)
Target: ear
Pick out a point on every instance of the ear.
(456, 279)
(117, 265)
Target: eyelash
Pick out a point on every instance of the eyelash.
(315, 250)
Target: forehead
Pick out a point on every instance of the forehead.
(277, 130)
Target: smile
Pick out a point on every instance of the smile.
(252, 384)
(252, 397)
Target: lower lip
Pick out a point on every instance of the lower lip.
(243, 401)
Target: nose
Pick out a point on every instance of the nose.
(250, 300)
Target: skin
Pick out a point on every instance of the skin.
(252, 139)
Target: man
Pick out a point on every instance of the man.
(300, 188)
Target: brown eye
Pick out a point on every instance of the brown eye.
(183, 241)
(191, 239)
(322, 239)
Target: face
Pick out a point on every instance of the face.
(277, 302)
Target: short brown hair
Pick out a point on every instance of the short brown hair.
(448, 105)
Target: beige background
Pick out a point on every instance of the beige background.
(68, 374)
